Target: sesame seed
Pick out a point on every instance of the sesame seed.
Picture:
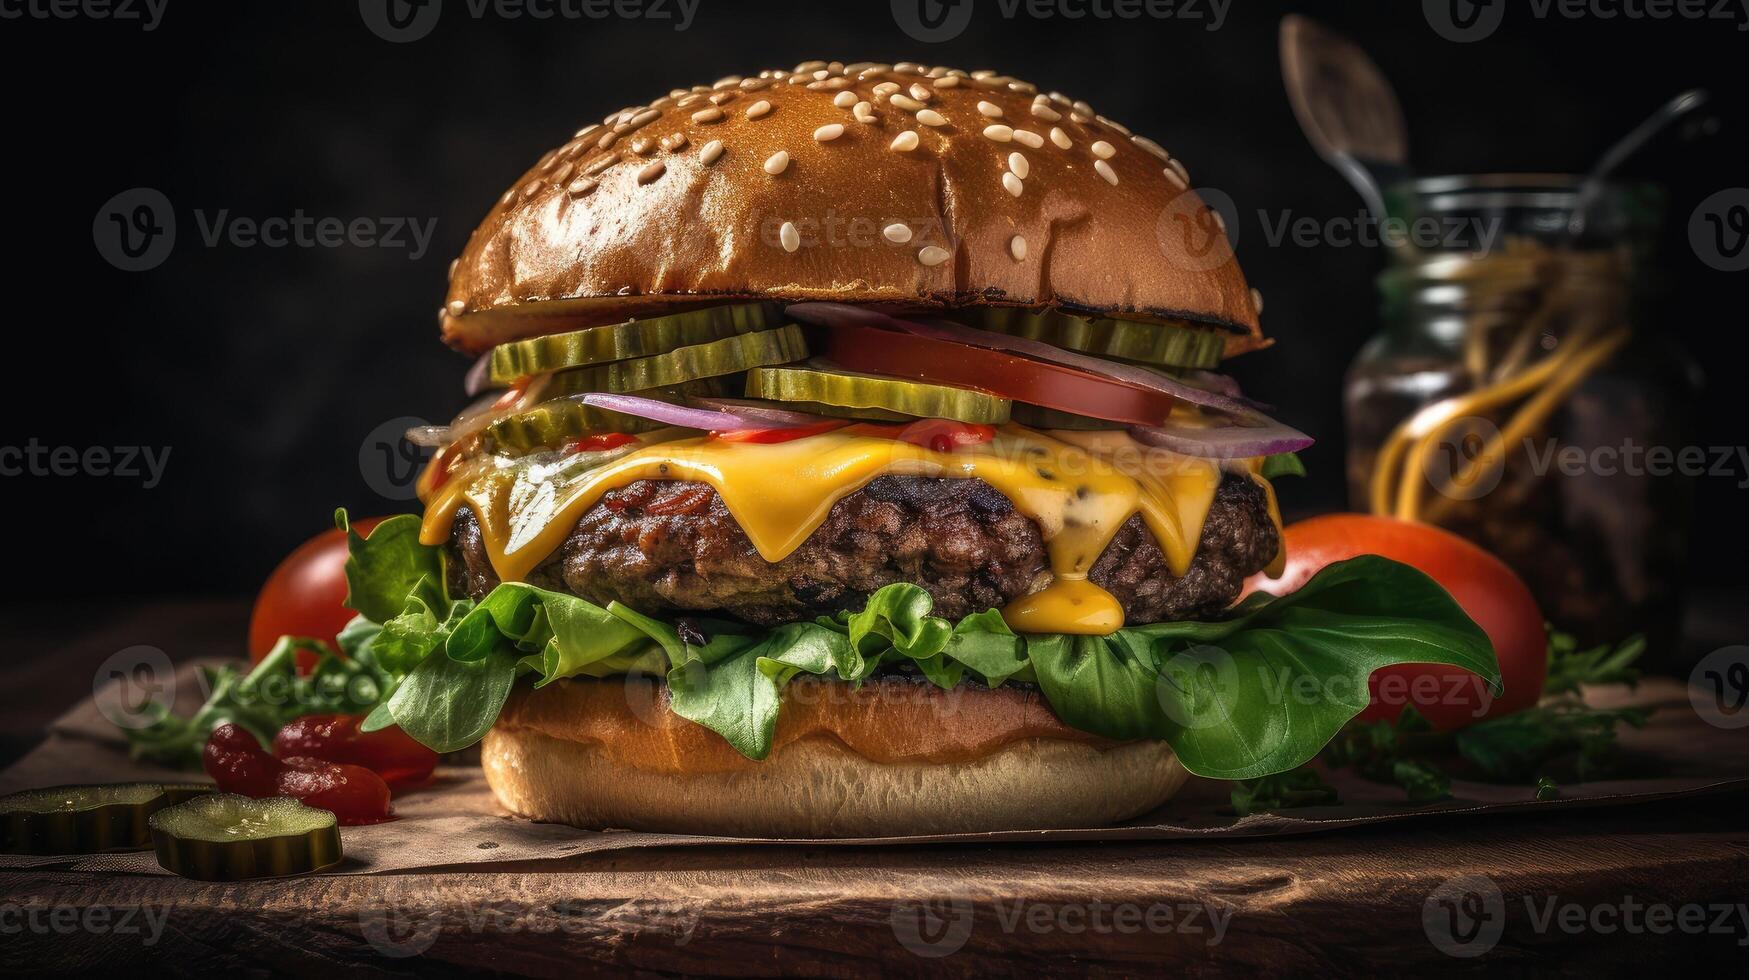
(1257, 301)
(990, 109)
(864, 112)
(983, 73)
(1079, 118)
(607, 139)
(1012, 184)
(457, 307)
(1027, 137)
(651, 172)
(1045, 112)
(898, 234)
(581, 187)
(921, 92)
(1114, 124)
(1060, 138)
(789, 236)
(587, 131)
(885, 89)
(905, 102)
(933, 255)
(777, 163)
(905, 142)
(1017, 248)
(1084, 109)
(1024, 88)
(686, 100)
(999, 132)
(723, 98)
(645, 118)
(1173, 178)
(757, 109)
(1103, 150)
(1017, 163)
(708, 153)
(1152, 147)
(1177, 168)
(729, 81)
(947, 81)
(929, 117)
(599, 164)
(674, 141)
(710, 115)
(1220, 222)
(808, 66)
(1104, 170)
(822, 74)
(845, 99)
(563, 173)
(828, 132)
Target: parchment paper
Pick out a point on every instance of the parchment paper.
(454, 821)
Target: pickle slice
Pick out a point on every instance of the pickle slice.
(634, 338)
(1149, 343)
(824, 384)
(86, 819)
(730, 355)
(226, 837)
(553, 423)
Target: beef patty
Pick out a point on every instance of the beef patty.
(672, 546)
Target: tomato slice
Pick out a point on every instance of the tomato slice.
(1023, 379)
(769, 436)
(941, 435)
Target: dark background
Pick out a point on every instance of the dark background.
(264, 370)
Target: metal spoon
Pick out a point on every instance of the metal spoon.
(1346, 107)
(1626, 147)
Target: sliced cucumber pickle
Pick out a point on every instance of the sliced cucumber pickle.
(634, 338)
(731, 355)
(86, 819)
(553, 423)
(1149, 343)
(1035, 417)
(823, 384)
(226, 837)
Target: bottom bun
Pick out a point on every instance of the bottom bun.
(545, 764)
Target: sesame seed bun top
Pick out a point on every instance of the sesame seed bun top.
(905, 184)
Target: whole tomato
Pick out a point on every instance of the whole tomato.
(1490, 592)
(303, 596)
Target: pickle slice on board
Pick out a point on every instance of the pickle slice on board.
(553, 423)
(86, 819)
(226, 837)
(1149, 343)
(825, 385)
(730, 355)
(634, 338)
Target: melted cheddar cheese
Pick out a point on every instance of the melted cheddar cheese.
(1078, 488)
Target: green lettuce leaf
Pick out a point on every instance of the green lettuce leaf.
(386, 567)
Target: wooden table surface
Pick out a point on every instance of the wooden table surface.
(1600, 892)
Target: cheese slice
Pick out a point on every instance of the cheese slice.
(1079, 495)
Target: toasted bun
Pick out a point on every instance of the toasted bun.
(894, 758)
(676, 203)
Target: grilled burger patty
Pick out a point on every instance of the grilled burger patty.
(672, 546)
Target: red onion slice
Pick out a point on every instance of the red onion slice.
(830, 314)
(479, 377)
(770, 415)
(684, 416)
(1227, 441)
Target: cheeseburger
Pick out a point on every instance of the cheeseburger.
(849, 459)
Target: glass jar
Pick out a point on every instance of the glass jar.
(1518, 395)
